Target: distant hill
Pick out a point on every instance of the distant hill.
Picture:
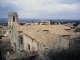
(5, 20)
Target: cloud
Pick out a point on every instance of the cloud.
(5, 8)
(69, 1)
(44, 8)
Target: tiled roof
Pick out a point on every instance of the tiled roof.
(3, 28)
(56, 29)
(36, 32)
(4, 39)
(41, 36)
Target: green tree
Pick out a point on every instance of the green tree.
(75, 25)
(68, 54)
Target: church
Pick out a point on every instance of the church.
(35, 40)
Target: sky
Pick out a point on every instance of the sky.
(41, 9)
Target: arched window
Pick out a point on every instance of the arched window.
(13, 18)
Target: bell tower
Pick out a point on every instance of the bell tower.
(12, 17)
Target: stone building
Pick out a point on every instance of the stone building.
(3, 30)
(43, 22)
(35, 39)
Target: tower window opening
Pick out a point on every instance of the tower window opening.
(13, 18)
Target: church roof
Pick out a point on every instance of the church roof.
(56, 29)
(43, 37)
(43, 33)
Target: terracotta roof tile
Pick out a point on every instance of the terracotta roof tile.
(4, 39)
(36, 32)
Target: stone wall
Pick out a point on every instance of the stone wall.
(57, 44)
(29, 41)
(34, 45)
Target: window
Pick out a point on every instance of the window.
(19, 31)
(13, 18)
(21, 39)
(10, 31)
(28, 46)
(45, 30)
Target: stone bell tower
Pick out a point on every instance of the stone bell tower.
(12, 17)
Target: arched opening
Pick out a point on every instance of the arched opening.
(13, 18)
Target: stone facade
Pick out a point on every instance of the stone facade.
(12, 33)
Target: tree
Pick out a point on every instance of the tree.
(67, 54)
(75, 25)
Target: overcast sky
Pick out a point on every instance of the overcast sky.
(43, 9)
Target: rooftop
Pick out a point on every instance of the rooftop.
(43, 33)
(55, 29)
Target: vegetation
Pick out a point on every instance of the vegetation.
(75, 25)
(68, 54)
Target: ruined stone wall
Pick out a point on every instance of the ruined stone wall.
(16, 39)
(64, 43)
(13, 37)
(12, 32)
(29, 41)
(34, 45)
(10, 35)
(41, 50)
(58, 43)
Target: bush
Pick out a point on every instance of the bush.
(75, 25)
(68, 54)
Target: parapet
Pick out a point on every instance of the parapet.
(12, 13)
